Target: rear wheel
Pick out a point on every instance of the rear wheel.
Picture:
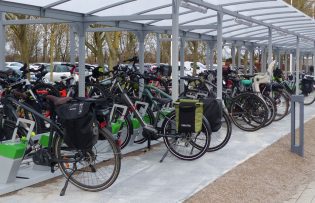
(98, 167)
(186, 146)
(220, 138)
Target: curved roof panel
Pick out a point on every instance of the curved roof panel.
(242, 18)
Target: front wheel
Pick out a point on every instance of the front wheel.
(248, 112)
(97, 169)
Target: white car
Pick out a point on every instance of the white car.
(15, 64)
(59, 70)
(189, 68)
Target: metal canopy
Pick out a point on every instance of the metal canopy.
(242, 18)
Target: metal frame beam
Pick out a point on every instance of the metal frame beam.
(244, 2)
(55, 4)
(34, 21)
(260, 8)
(248, 31)
(127, 18)
(109, 6)
(11, 7)
(153, 9)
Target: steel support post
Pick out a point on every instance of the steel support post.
(72, 44)
(158, 49)
(141, 36)
(269, 60)
(233, 54)
(251, 60)
(208, 55)
(211, 45)
(286, 64)
(239, 55)
(182, 66)
(2, 40)
(307, 64)
(263, 60)
(219, 53)
(175, 36)
(81, 28)
(279, 58)
(302, 56)
(297, 70)
(314, 60)
(291, 62)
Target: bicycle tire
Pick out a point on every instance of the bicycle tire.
(252, 111)
(280, 99)
(215, 146)
(202, 149)
(272, 109)
(116, 162)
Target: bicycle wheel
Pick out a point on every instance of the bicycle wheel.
(282, 104)
(220, 138)
(121, 127)
(186, 146)
(248, 112)
(272, 109)
(99, 167)
(309, 98)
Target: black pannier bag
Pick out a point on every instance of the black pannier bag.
(307, 85)
(165, 70)
(212, 110)
(80, 124)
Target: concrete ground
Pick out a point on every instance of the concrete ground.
(225, 172)
(273, 175)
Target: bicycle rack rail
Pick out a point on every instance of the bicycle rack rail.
(297, 148)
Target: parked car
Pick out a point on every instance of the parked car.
(60, 69)
(189, 67)
(15, 64)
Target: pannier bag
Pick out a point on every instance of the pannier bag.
(213, 112)
(189, 115)
(307, 85)
(79, 122)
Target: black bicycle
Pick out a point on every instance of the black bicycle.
(92, 168)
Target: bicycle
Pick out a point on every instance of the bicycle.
(81, 167)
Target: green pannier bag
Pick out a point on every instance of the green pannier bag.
(189, 115)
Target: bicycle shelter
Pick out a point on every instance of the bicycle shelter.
(266, 25)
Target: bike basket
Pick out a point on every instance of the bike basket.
(189, 115)
(79, 122)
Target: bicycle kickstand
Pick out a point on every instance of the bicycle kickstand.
(63, 191)
(164, 155)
